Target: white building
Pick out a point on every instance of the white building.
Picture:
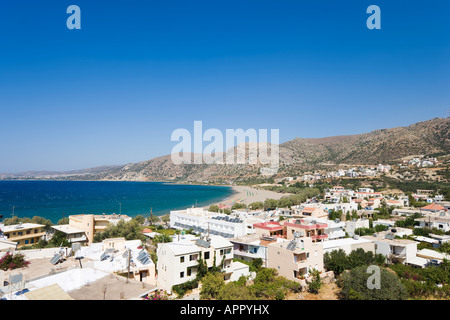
(348, 245)
(396, 250)
(178, 261)
(206, 222)
(441, 222)
(335, 228)
(249, 248)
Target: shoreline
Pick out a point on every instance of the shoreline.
(248, 195)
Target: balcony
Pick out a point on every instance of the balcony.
(319, 237)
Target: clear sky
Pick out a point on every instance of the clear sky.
(114, 91)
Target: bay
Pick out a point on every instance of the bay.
(54, 200)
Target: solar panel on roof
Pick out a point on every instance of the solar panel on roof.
(202, 243)
(55, 259)
(104, 256)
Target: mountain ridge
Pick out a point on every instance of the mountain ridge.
(296, 155)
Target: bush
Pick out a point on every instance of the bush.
(11, 262)
(338, 261)
(354, 286)
(316, 283)
(212, 284)
(182, 288)
(157, 295)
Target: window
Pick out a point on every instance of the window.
(189, 271)
(32, 240)
(27, 241)
(192, 257)
(206, 255)
(221, 252)
(181, 259)
(182, 274)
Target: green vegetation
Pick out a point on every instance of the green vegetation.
(256, 205)
(432, 281)
(254, 266)
(333, 214)
(354, 285)
(267, 285)
(316, 283)
(338, 261)
(131, 230)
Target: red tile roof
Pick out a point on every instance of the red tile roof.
(433, 206)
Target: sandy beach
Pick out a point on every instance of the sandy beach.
(247, 195)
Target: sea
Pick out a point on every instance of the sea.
(55, 200)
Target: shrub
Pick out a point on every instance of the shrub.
(11, 262)
(182, 288)
(354, 286)
(316, 283)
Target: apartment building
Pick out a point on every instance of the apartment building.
(24, 234)
(269, 229)
(295, 258)
(441, 222)
(206, 222)
(349, 244)
(397, 250)
(83, 227)
(310, 211)
(178, 261)
(249, 248)
(312, 228)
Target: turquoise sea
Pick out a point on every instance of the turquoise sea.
(57, 199)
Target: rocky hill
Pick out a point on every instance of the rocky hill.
(296, 156)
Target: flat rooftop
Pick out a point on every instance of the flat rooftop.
(343, 242)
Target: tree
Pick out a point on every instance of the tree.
(268, 285)
(130, 230)
(59, 240)
(257, 263)
(140, 219)
(380, 228)
(166, 219)
(213, 208)
(235, 291)
(270, 204)
(354, 286)
(335, 261)
(256, 205)
(238, 206)
(316, 283)
(162, 238)
(212, 283)
(64, 220)
(338, 261)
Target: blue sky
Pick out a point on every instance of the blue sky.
(114, 91)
